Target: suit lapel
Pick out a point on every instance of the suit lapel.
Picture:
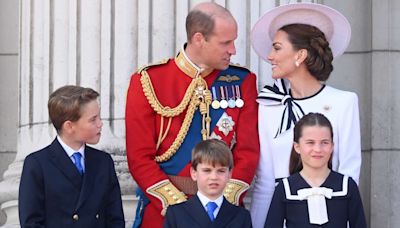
(89, 176)
(225, 215)
(196, 210)
(61, 160)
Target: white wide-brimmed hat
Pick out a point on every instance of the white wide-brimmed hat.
(333, 24)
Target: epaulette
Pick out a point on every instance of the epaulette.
(145, 67)
(167, 193)
(237, 65)
(234, 189)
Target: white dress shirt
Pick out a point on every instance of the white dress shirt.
(71, 151)
(204, 200)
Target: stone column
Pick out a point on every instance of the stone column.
(87, 43)
(385, 159)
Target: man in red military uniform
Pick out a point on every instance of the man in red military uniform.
(173, 105)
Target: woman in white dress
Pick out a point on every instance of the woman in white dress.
(300, 41)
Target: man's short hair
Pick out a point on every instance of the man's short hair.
(212, 151)
(197, 21)
(66, 104)
(203, 21)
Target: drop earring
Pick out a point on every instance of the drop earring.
(297, 64)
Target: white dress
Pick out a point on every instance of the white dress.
(340, 107)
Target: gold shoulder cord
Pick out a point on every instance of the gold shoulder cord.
(197, 94)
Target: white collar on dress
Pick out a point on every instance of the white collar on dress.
(316, 201)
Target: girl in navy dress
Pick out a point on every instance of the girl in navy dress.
(314, 195)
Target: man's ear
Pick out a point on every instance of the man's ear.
(198, 39)
(193, 174)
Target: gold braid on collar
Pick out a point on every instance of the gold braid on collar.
(196, 95)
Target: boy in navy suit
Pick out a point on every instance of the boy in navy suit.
(211, 168)
(69, 184)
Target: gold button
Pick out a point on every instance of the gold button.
(97, 216)
(75, 217)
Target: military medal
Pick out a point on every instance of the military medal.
(223, 102)
(215, 103)
(239, 101)
(231, 101)
(225, 124)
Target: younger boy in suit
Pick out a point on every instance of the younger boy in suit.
(69, 184)
(211, 168)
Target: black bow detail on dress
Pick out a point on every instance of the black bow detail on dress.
(279, 94)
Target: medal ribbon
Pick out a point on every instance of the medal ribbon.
(183, 155)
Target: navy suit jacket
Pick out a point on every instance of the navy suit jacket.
(192, 214)
(52, 193)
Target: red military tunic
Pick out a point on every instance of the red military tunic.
(170, 80)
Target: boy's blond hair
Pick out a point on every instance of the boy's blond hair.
(66, 104)
(212, 151)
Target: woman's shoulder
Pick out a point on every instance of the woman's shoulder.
(340, 93)
(341, 100)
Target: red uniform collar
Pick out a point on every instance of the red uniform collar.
(187, 66)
